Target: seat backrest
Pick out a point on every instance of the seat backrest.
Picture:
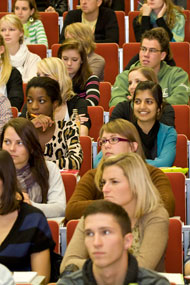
(121, 23)
(69, 181)
(54, 227)
(105, 95)
(182, 119)
(86, 144)
(40, 50)
(96, 114)
(187, 25)
(71, 225)
(109, 51)
(14, 111)
(111, 110)
(181, 159)
(179, 49)
(50, 22)
(3, 13)
(174, 252)
(132, 15)
(3, 5)
(54, 49)
(127, 7)
(129, 50)
(177, 181)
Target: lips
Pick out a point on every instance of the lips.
(108, 153)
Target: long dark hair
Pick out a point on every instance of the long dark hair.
(10, 200)
(28, 134)
(84, 71)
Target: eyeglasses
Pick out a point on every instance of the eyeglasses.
(150, 50)
(112, 140)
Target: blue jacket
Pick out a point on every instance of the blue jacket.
(166, 148)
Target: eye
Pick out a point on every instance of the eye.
(114, 139)
(29, 100)
(2, 30)
(106, 232)
(75, 59)
(137, 101)
(130, 82)
(89, 234)
(6, 141)
(20, 143)
(149, 101)
(65, 58)
(42, 101)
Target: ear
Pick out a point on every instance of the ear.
(2, 49)
(134, 146)
(55, 105)
(163, 55)
(99, 2)
(32, 12)
(128, 240)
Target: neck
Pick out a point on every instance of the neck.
(130, 208)
(114, 274)
(157, 69)
(91, 16)
(146, 126)
(156, 11)
(13, 49)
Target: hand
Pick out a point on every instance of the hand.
(26, 198)
(42, 121)
(146, 10)
(83, 119)
(162, 11)
(50, 9)
(129, 97)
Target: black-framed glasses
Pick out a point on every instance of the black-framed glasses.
(150, 50)
(112, 140)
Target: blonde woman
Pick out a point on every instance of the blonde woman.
(124, 180)
(11, 28)
(34, 32)
(83, 33)
(160, 13)
(10, 78)
(55, 68)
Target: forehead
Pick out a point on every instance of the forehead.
(22, 3)
(144, 94)
(37, 91)
(136, 74)
(70, 52)
(10, 131)
(100, 220)
(105, 134)
(151, 44)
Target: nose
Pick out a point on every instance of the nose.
(69, 62)
(106, 188)
(142, 105)
(34, 105)
(12, 147)
(97, 240)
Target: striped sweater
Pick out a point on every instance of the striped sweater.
(36, 34)
(91, 91)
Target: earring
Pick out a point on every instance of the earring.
(31, 19)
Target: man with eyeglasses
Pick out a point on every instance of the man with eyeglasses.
(173, 80)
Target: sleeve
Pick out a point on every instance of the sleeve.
(154, 240)
(168, 115)
(15, 90)
(92, 90)
(76, 252)
(162, 183)
(166, 150)
(140, 28)
(178, 87)
(85, 193)
(121, 111)
(61, 6)
(97, 64)
(178, 31)
(5, 111)
(56, 201)
(73, 157)
(41, 36)
(162, 24)
(120, 91)
(111, 28)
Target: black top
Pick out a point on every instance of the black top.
(116, 5)
(60, 6)
(107, 30)
(14, 89)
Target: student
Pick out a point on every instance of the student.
(124, 109)
(162, 13)
(34, 32)
(107, 226)
(59, 6)
(11, 29)
(110, 135)
(25, 238)
(124, 180)
(59, 139)
(39, 180)
(173, 80)
(85, 83)
(10, 79)
(54, 68)
(102, 20)
(82, 32)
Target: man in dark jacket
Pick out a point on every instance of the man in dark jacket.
(107, 238)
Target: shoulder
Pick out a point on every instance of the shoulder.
(37, 23)
(52, 167)
(166, 129)
(159, 215)
(15, 73)
(73, 278)
(146, 276)
(75, 13)
(171, 69)
(106, 11)
(33, 57)
(31, 211)
(93, 78)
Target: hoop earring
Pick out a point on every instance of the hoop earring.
(31, 19)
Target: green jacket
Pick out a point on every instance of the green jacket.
(173, 80)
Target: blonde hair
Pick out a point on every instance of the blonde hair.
(147, 72)
(170, 13)
(5, 64)
(134, 169)
(125, 129)
(83, 33)
(55, 68)
(16, 22)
